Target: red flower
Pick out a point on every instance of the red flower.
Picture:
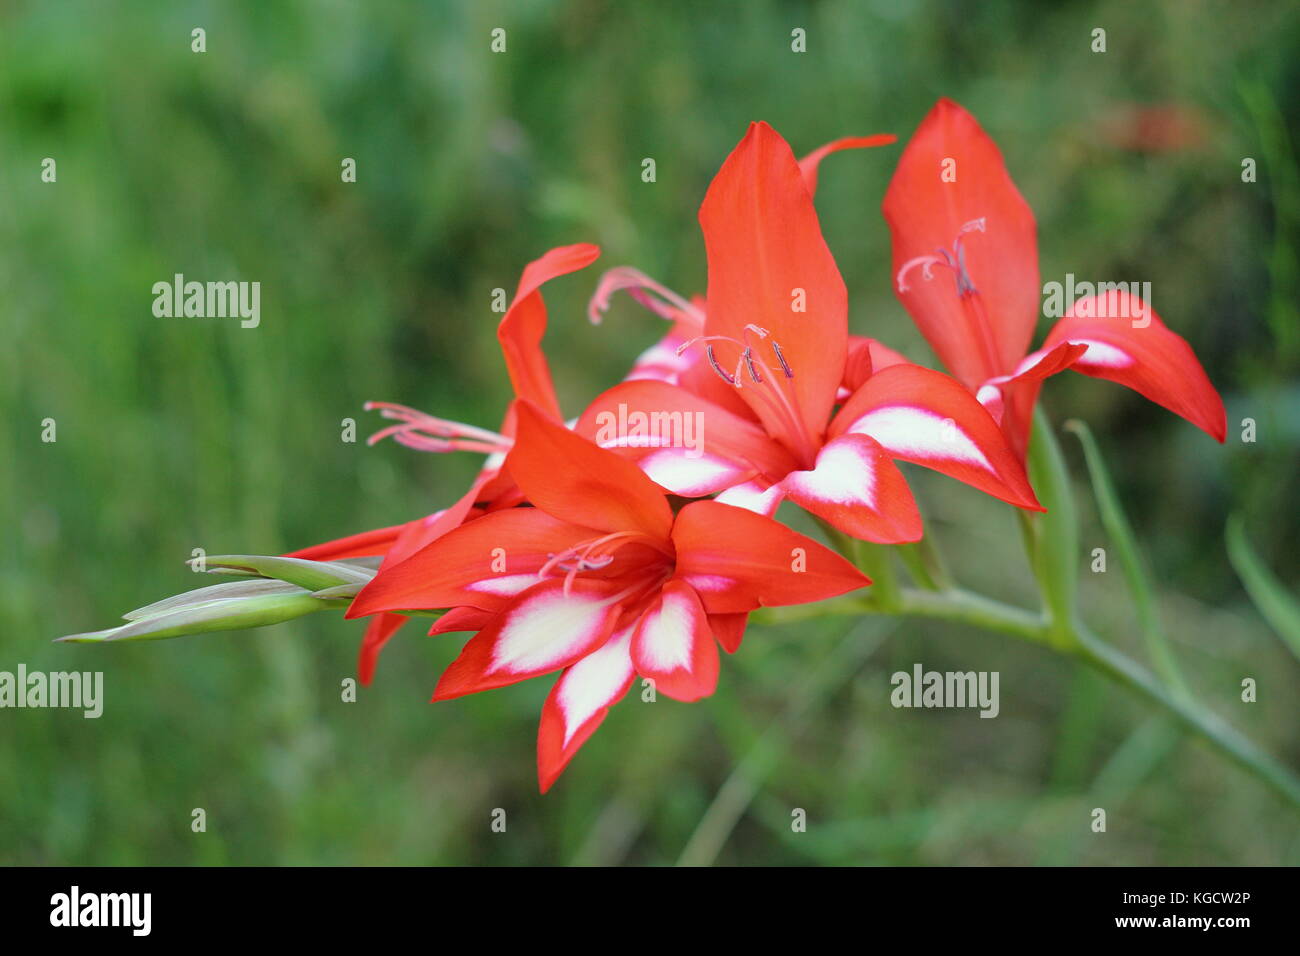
(600, 578)
(952, 207)
(777, 360)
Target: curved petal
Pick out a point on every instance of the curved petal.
(578, 703)
(1010, 399)
(1034, 367)
(951, 174)
(367, 544)
(729, 629)
(544, 629)
(462, 619)
(673, 645)
(1128, 343)
(755, 496)
(567, 476)
(766, 254)
(521, 329)
(856, 487)
(737, 561)
(808, 165)
(378, 631)
(866, 356)
(481, 564)
(919, 415)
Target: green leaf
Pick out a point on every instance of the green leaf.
(311, 575)
(1131, 560)
(1271, 599)
(194, 614)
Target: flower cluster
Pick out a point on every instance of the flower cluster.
(612, 556)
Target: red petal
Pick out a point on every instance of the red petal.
(919, 415)
(1010, 399)
(579, 702)
(859, 490)
(729, 629)
(808, 165)
(673, 646)
(867, 356)
(682, 441)
(482, 564)
(378, 631)
(541, 630)
(764, 242)
(567, 476)
(521, 329)
(737, 560)
(462, 619)
(1151, 359)
(364, 545)
(925, 214)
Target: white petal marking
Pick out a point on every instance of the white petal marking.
(676, 470)
(843, 475)
(594, 681)
(666, 635)
(546, 629)
(1102, 354)
(504, 584)
(919, 433)
(753, 497)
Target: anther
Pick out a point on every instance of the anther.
(749, 363)
(723, 373)
(785, 366)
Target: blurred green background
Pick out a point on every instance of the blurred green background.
(182, 433)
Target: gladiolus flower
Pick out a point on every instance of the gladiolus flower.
(776, 360)
(966, 267)
(601, 579)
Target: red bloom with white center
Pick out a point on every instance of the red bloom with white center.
(778, 360)
(966, 267)
(602, 579)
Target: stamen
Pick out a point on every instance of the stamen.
(748, 355)
(659, 299)
(926, 263)
(713, 360)
(954, 260)
(785, 366)
(423, 432)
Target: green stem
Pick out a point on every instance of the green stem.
(968, 608)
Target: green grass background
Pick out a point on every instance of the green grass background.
(182, 433)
